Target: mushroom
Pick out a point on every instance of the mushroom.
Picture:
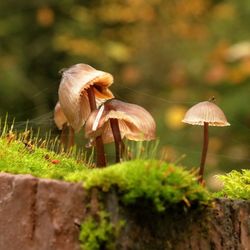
(205, 114)
(116, 119)
(63, 125)
(75, 92)
(81, 90)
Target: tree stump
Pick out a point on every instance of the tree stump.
(42, 214)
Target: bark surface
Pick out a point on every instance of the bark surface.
(40, 214)
(225, 226)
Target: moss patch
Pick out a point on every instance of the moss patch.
(236, 185)
(157, 182)
(99, 234)
(19, 158)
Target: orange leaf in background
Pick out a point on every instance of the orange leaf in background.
(245, 66)
(219, 53)
(177, 75)
(216, 74)
(45, 16)
(224, 11)
(131, 75)
(235, 75)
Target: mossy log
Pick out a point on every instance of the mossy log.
(46, 214)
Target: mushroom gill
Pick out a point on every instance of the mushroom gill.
(135, 123)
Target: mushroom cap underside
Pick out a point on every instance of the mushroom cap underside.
(135, 123)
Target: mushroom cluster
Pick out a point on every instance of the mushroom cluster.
(84, 97)
(86, 100)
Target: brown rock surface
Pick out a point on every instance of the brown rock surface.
(40, 214)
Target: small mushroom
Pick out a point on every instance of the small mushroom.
(82, 90)
(116, 119)
(67, 134)
(205, 114)
(80, 85)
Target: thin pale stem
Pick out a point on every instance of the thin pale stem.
(119, 146)
(100, 154)
(204, 152)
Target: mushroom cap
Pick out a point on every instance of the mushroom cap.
(59, 117)
(135, 122)
(72, 92)
(206, 112)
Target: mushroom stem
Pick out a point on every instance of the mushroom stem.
(67, 137)
(63, 137)
(71, 137)
(119, 145)
(100, 155)
(204, 152)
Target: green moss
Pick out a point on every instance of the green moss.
(159, 183)
(236, 185)
(95, 235)
(18, 158)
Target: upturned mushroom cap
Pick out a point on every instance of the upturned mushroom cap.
(206, 112)
(59, 117)
(72, 92)
(135, 122)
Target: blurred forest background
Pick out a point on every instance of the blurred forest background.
(164, 55)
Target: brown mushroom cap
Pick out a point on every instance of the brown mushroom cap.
(72, 92)
(206, 112)
(135, 122)
(59, 117)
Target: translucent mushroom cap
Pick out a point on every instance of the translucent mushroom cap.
(135, 122)
(72, 92)
(206, 112)
(59, 117)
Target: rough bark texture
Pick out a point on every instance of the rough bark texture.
(39, 214)
(225, 226)
(43, 214)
